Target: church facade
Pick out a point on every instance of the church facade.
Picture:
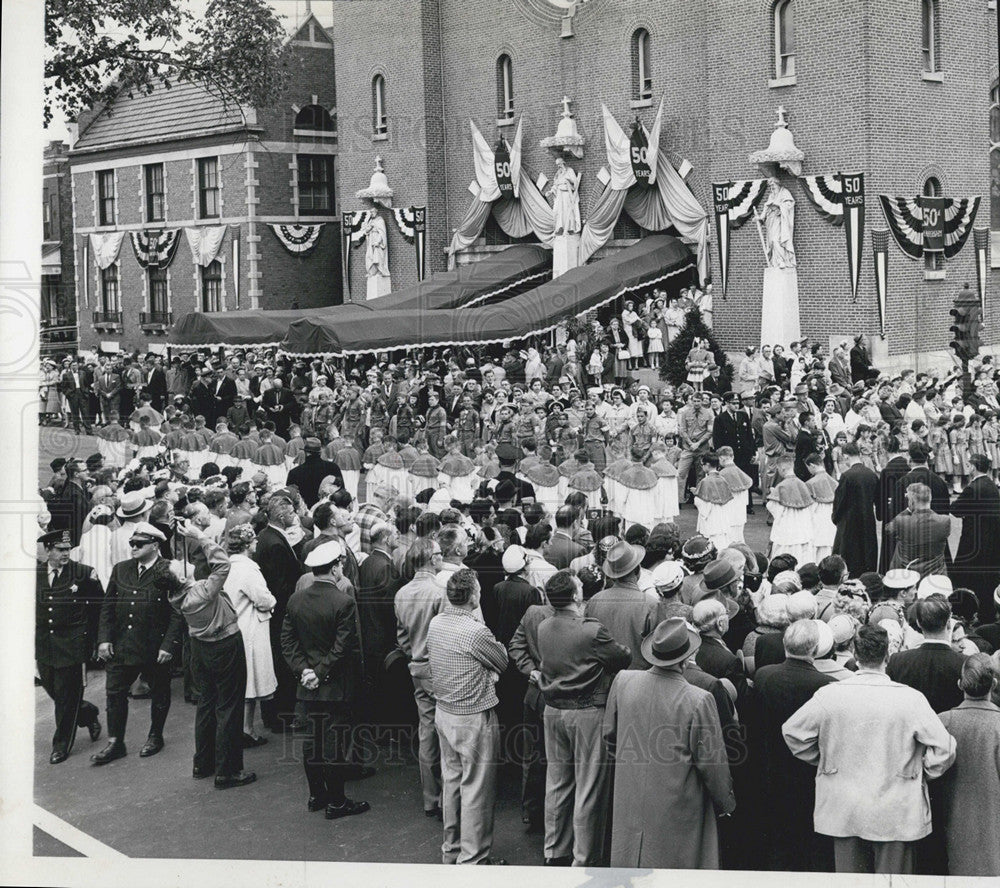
(899, 90)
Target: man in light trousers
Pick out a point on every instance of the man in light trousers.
(466, 661)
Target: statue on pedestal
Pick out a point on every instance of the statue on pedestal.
(566, 199)
(777, 215)
(376, 241)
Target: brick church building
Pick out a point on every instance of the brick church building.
(183, 161)
(898, 89)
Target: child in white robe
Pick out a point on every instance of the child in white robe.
(739, 483)
(712, 498)
(791, 505)
(822, 488)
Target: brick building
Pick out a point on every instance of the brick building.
(898, 89)
(181, 160)
(58, 302)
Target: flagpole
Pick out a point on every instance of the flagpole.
(760, 232)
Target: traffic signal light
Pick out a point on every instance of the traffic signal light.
(968, 319)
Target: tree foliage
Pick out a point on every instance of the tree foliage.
(673, 369)
(97, 50)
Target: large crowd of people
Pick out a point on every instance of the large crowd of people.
(492, 538)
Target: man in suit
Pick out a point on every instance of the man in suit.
(200, 394)
(840, 369)
(281, 569)
(65, 592)
(319, 643)
(156, 384)
(223, 390)
(711, 619)
(869, 731)
(861, 364)
(977, 562)
(139, 634)
(887, 409)
(74, 385)
(280, 406)
(918, 536)
(108, 385)
(71, 504)
(854, 514)
(891, 498)
(789, 785)
(934, 668)
(918, 453)
(308, 476)
(562, 547)
(732, 429)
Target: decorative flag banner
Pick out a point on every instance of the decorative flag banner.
(744, 197)
(352, 231)
(412, 224)
(943, 222)
(497, 174)
(840, 199)
(205, 243)
(155, 249)
(720, 201)
(106, 247)
(236, 268)
(880, 252)
(298, 239)
(981, 242)
(634, 158)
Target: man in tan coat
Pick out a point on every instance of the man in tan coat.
(875, 743)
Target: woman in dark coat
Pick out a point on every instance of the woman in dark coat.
(977, 564)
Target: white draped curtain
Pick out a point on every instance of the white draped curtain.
(205, 242)
(106, 247)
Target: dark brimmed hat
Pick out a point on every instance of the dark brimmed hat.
(673, 641)
(622, 559)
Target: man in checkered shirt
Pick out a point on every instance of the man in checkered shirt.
(466, 661)
(374, 512)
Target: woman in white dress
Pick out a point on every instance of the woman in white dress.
(253, 602)
(629, 319)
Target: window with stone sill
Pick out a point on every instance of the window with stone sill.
(784, 39)
(380, 118)
(930, 44)
(642, 71)
(505, 89)
(211, 287)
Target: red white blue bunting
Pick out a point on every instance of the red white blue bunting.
(298, 239)
(155, 249)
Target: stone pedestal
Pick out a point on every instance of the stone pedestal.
(565, 253)
(378, 285)
(779, 316)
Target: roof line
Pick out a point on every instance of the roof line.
(173, 137)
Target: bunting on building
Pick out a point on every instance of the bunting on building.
(298, 239)
(155, 249)
(840, 199)
(498, 170)
(106, 247)
(733, 203)
(745, 196)
(880, 253)
(981, 243)
(205, 243)
(353, 226)
(927, 224)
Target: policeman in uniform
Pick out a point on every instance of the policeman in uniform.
(65, 591)
(139, 633)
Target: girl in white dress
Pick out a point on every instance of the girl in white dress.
(253, 603)
(655, 337)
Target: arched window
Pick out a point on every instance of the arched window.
(932, 188)
(380, 119)
(505, 88)
(315, 120)
(642, 72)
(784, 39)
(929, 35)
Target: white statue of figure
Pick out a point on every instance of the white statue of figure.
(376, 240)
(777, 214)
(566, 200)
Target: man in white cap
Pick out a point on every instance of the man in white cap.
(319, 641)
(139, 634)
(132, 509)
(665, 807)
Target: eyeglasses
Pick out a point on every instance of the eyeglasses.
(138, 544)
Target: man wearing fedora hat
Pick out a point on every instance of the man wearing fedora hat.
(139, 634)
(628, 612)
(665, 806)
(132, 509)
(577, 657)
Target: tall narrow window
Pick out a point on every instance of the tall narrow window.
(316, 194)
(211, 287)
(157, 293)
(106, 197)
(380, 119)
(154, 193)
(505, 88)
(208, 188)
(929, 34)
(46, 214)
(933, 261)
(642, 74)
(109, 289)
(784, 39)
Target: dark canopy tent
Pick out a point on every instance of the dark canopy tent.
(653, 260)
(502, 276)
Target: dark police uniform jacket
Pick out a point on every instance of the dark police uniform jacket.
(136, 616)
(61, 613)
